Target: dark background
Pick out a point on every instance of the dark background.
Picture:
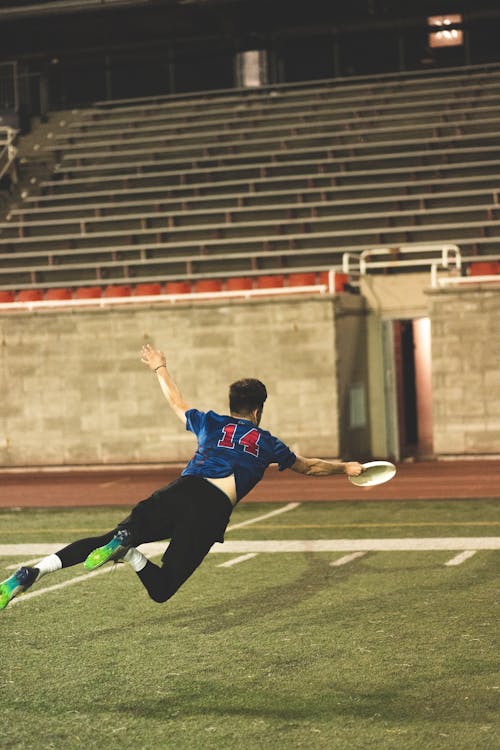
(69, 53)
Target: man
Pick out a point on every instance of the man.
(232, 454)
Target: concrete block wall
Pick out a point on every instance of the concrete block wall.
(465, 324)
(351, 348)
(74, 391)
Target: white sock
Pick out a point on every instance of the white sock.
(49, 564)
(136, 559)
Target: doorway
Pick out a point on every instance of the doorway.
(408, 387)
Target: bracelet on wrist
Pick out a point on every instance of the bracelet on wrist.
(157, 368)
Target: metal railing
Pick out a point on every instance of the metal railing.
(9, 89)
(434, 256)
(439, 282)
(8, 151)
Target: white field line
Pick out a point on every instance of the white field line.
(428, 544)
(55, 587)
(13, 550)
(153, 548)
(424, 544)
(237, 560)
(461, 557)
(22, 563)
(250, 521)
(30, 549)
(347, 559)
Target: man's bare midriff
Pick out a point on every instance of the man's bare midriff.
(226, 484)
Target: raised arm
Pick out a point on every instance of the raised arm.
(316, 467)
(157, 362)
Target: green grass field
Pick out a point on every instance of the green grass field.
(282, 650)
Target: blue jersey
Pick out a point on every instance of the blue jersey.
(230, 445)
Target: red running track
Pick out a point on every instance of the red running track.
(126, 486)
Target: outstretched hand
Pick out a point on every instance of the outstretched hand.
(153, 358)
(353, 469)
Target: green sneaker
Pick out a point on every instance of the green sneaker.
(18, 582)
(113, 550)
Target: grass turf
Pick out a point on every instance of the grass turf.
(392, 651)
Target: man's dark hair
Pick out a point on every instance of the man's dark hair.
(246, 395)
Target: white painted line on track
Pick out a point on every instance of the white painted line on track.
(64, 584)
(347, 559)
(462, 557)
(250, 521)
(237, 560)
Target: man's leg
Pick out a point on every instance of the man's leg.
(186, 551)
(25, 577)
(149, 521)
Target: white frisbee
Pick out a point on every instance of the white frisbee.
(375, 472)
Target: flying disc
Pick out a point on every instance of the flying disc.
(374, 472)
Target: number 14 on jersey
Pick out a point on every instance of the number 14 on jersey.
(249, 441)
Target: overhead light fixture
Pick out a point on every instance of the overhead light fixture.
(446, 30)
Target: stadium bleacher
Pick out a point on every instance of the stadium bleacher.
(273, 183)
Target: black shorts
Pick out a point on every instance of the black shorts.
(187, 503)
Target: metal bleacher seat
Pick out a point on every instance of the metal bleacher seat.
(233, 184)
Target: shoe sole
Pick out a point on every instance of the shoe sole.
(7, 593)
(102, 555)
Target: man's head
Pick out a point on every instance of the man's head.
(246, 398)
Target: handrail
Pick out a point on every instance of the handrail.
(445, 250)
(8, 151)
(359, 264)
(459, 280)
(442, 281)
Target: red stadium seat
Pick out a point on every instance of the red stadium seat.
(301, 279)
(177, 287)
(484, 268)
(270, 282)
(147, 289)
(118, 290)
(88, 292)
(57, 294)
(341, 279)
(208, 285)
(6, 296)
(237, 283)
(30, 295)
